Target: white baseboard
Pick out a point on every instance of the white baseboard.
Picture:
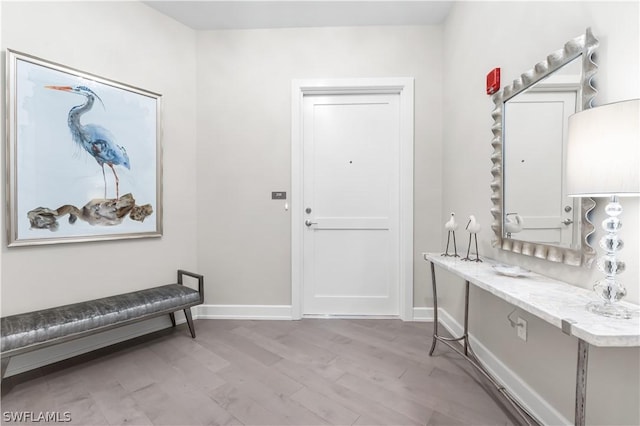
(517, 387)
(423, 314)
(254, 312)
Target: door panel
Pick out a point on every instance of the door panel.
(360, 275)
(351, 186)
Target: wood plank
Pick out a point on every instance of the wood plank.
(327, 408)
(244, 408)
(356, 401)
(291, 411)
(397, 399)
(279, 383)
(348, 347)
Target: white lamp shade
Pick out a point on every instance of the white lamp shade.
(603, 152)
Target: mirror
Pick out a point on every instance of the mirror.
(532, 214)
(534, 137)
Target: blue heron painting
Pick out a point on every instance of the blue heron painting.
(95, 139)
(61, 122)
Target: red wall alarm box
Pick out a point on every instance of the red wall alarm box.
(493, 81)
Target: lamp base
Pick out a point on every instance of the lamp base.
(611, 310)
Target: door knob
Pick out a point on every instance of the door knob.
(567, 221)
(309, 223)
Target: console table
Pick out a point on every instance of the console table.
(556, 302)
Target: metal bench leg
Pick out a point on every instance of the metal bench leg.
(192, 329)
(5, 363)
(172, 315)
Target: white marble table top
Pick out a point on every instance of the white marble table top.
(548, 299)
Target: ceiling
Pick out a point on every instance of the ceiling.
(242, 14)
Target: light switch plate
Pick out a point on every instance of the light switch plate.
(521, 325)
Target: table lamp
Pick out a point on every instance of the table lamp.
(603, 160)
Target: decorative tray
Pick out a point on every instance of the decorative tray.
(511, 271)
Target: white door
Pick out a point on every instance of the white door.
(536, 138)
(351, 172)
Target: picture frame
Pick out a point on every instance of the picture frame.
(84, 156)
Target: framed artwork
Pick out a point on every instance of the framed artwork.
(84, 159)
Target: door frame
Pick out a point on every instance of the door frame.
(404, 88)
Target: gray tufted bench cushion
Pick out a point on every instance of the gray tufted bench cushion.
(33, 330)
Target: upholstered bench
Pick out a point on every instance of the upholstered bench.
(29, 331)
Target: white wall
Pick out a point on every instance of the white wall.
(244, 142)
(131, 43)
(479, 36)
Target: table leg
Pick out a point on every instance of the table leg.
(466, 319)
(435, 309)
(581, 382)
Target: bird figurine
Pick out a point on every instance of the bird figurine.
(513, 224)
(96, 140)
(451, 227)
(473, 227)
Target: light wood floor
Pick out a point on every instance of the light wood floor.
(308, 372)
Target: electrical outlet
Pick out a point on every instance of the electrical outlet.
(521, 326)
